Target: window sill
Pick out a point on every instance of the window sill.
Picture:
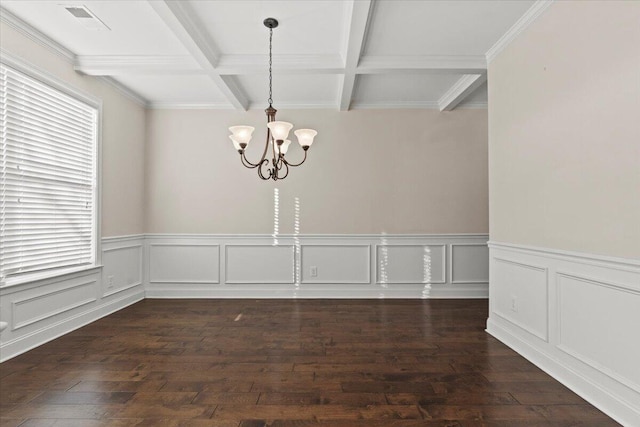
(43, 278)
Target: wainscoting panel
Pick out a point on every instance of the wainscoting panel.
(347, 264)
(321, 266)
(238, 266)
(590, 305)
(41, 310)
(263, 264)
(470, 263)
(122, 268)
(184, 263)
(44, 306)
(591, 333)
(397, 264)
(520, 295)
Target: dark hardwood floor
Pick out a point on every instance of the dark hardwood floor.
(347, 363)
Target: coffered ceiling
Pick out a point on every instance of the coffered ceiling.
(327, 54)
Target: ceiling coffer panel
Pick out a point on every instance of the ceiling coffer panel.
(326, 53)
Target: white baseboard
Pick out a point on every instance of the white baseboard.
(321, 292)
(575, 316)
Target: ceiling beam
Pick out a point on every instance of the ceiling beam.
(196, 40)
(282, 64)
(460, 91)
(356, 34)
(114, 65)
(435, 64)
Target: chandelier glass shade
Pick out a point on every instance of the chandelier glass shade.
(273, 164)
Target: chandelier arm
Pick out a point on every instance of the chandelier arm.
(296, 164)
(284, 166)
(266, 144)
(260, 174)
(246, 163)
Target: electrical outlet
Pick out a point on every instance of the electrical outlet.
(313, 271)
(514, 304)
(109, 282)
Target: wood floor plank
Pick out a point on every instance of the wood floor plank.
(286, 363)
(323, 398)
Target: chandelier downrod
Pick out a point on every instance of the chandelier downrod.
(277, 167)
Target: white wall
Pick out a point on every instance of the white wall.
(369, 171)
(564, 185)
(564, 102)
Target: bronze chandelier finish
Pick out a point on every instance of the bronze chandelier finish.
(277, 163)
(274, 165)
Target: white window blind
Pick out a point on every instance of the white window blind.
(47, 177)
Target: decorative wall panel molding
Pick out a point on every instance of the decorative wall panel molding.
(402, 264)
(576, 316)
(590, 333)
(470, 263)
(327, 266)
(40, 311)
(122, 268)
(244, 266)
(520, 295)
(184, 263)
(45, 306)
(259, 263)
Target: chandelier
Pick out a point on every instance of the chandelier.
(274, 165)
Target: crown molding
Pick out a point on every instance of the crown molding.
(53, 46)
(456, 64)
(525, 20)
(125, 91)
(36, 35)
(464, 87)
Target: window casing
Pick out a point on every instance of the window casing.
(48, 176)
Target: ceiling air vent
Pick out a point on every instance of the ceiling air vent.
(87, 18)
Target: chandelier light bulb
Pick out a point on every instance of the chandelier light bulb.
(305, 137)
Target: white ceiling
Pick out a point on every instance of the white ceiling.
(327, 54)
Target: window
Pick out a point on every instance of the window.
(48, 141)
